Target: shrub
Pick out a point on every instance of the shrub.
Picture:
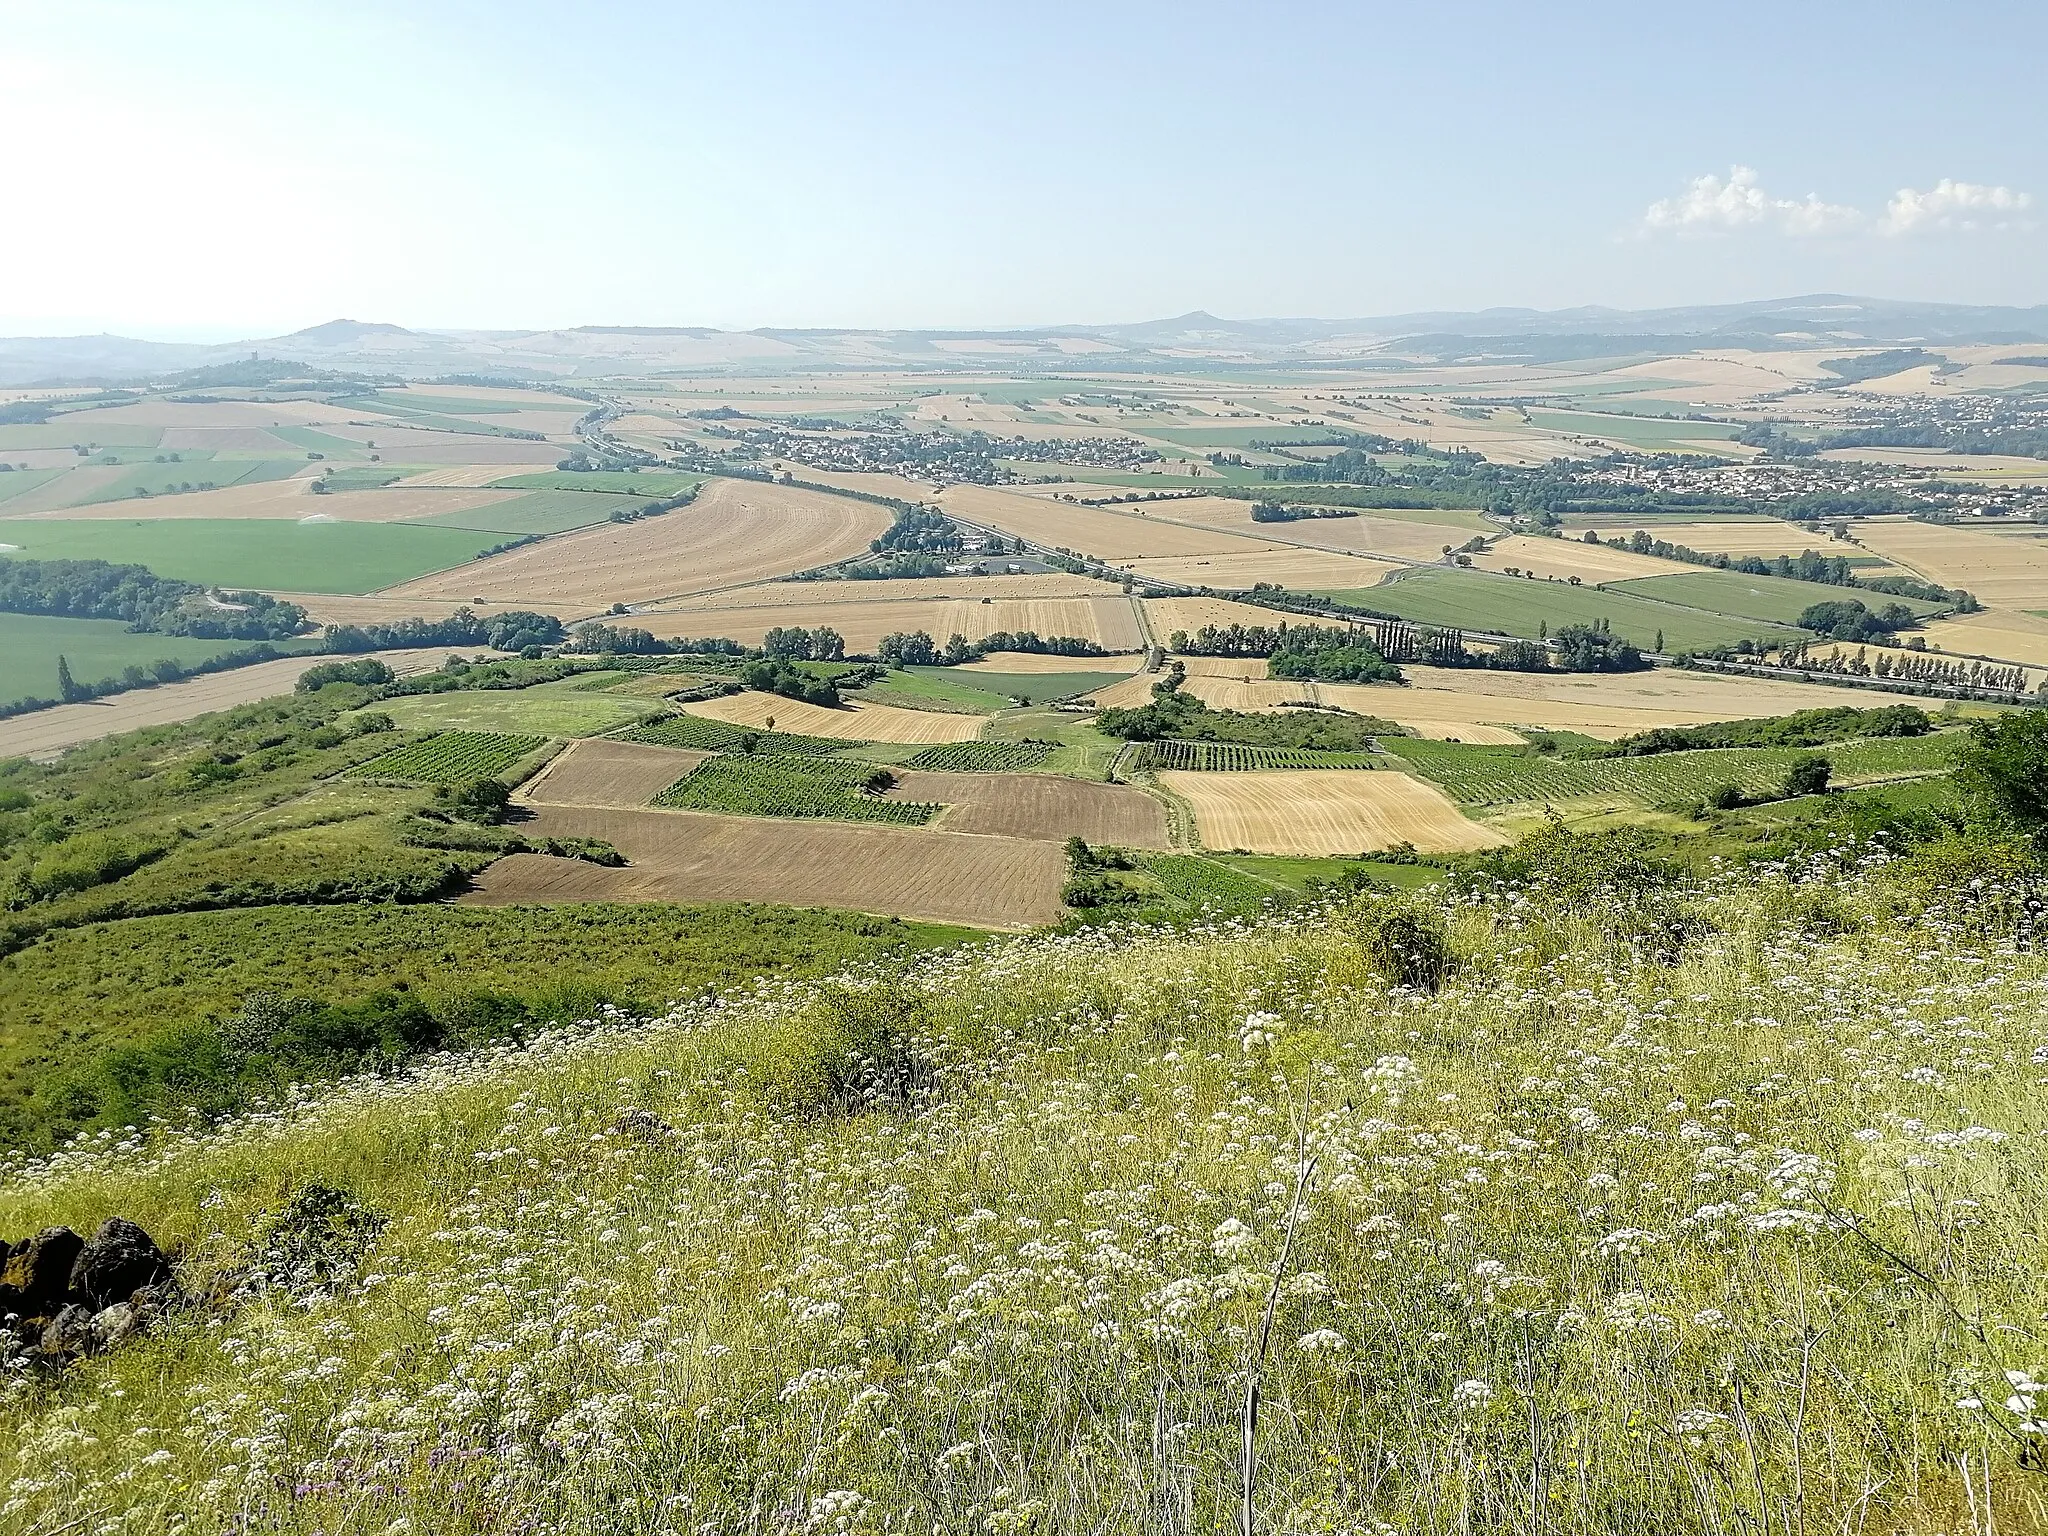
(1406, 942)
(1808, 775)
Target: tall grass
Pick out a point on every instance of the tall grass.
(1743, 1239)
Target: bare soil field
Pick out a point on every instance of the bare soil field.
(1301, 569)
(48, 732)
(1037, 805)
(1109, 621)
(854, 722)
(2003, 572)
(994, 882)
(1564, 558)
(609, 775)
(291, 498)
(1121, 534)
(735, 532)
(1326, 811)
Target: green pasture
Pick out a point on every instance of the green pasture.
(13, 483)
(267, 554)
(1002, 687)
(1772, 598)
(1515, 606)
(316, 441)
(95, 648)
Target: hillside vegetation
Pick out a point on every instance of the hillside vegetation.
(1588, 1198)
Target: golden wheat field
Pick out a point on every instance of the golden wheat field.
(1763, 536)
(1220, 692)
(735, 532)
(2003, 633)
(2003, 571)
(850, 722)
(1120, 534)
(1325, 811)
(1301, 569)
(1108, 621)
(1397, 536)
(615, 775)
(690, 856)
(1189, 614)
(457, 475)
(1565, 558)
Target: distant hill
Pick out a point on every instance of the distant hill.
(1197, 339)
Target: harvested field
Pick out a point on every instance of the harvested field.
(608, 775)
(2010, 636)
(1327, 811)
(1400, 534)
(1243, 668)
(2004, 572)
(1011, 663)
(1763, 536)
(1132, 693)
(228, 440)
(995, 882)
(1303, 569)
(1168, 614)
(47, 732)
(1250, 697)
(1565, 558)
(1038, 805)
(1447, 702)
(1108, 621)
(259, 498)
(735, 532)
(342, 608)
(1122, 534)
(937, 589)
(460, 475)
(854, 722)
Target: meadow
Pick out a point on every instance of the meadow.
(544, 710)
(1469, 600)
(1771, 598)
(265, 554)
(95, 648)
(1593, 1236)
(541, 512)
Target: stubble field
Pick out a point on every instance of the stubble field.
(1325, 811)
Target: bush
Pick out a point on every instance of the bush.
(1808, 775)
(2003, 767)
(370, 672)
(1405, 941)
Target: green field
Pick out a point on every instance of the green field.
(1230, 757)
(1295, 873)
(541, 512)
(806, 787)
(1651, 435)
(68, 431)
(452, 757)
(145, 481)
(264, 553)
(1474, 775)
(14, 482)
(95, 648)
(654, 483)
(716, 736)
(1770, 598)
(545, 710)
(1472, 600)
(316, 441)
(980, 757)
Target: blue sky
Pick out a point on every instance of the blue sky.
(223, 169)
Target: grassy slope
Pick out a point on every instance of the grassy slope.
(1470, 600)
(547, 710)
(30, 645)
(1755, 597)
(266, 554)
(1564, 1245)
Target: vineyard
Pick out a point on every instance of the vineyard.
(795, 786)
(981, 756)
(1474, 775)
(716, 736)
(1231, 757)
(450, 757)
(1200, 882)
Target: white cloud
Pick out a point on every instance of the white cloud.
(1710, 205)
(1956, 205)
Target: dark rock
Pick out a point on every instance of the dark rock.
(68, 1333)
(120, 1259)
(38, 1271)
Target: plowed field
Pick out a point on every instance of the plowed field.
(995, 882)
(1038, 805)
(1325, 811)
(608, 774)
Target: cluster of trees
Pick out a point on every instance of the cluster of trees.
(918, 649)
(798, 644)
(1594, 648)
(369, 672)
(1335, 664)
(1806, 728)
(513, 630)
(1395, 639)
(925, 530)
(1287, 512)
(628, 640)
(1849, 620)
(1176, 715)
(775, 674)
(1808, 565)
(1914, 667)
(96, 589)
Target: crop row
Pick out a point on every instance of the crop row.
(451, 757)
(786, 786)
(717, 736)
(1232, 757)
(1201, 882)
(1474, 775)
(981, 756)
